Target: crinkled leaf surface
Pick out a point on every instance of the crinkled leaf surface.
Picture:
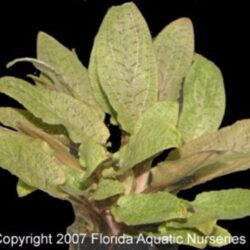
(205, 158)
(137, 209)
(57, 108)
(224, 204)
(186, 236)
(174, 47)
(198, 221)
(66, 63)
(218, 238)
(154, 132)
(178, 173)
(218, 165)
(216, 154)
(107, 188)
(233, 138)
(13, 117)
(33, 161)
(98, 92)
(91, 155)
(203, 99)
(126, 63)
(62, 152)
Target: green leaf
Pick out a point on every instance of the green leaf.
(50, 73)
(216, 167)
(128, 181)
(98, 91)
(174, 48)
(42, 81)
(154, 132)
(23, 189)
(79, 119)
(176, 174)
(66, 63)
(91, 155)
(209, 156)
(185, 236)
(224, 204)
(198, 221)
(13, 117)
(220, 237)
(62, 152)
(203, 100)
(137, 209)
(126, 64)
(107, 188)
(232, 139)
(33, 161)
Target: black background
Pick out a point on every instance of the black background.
(221, 30)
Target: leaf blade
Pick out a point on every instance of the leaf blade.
(67, 64)
(174, 47)
(98, 91)
(150, 208)
(212, 155)
(33, 161)
(203, 100)
(91, 155)
(107, 188)
(57, 108)
(224, 204)
(23, 189)
(159, 121)
(128, 74)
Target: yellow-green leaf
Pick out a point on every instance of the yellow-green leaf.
(23, 189)
(197, 221)
(220, 237)
(233, 138)
(176, 174)
(224, 204)
(218, 165)
(98, 92)
(203, 99)
(13, 117)
(42, 81)
(57, 108)
(91, 156)
(107, 188)
(66, 63)
(207, 157)
(137, 209)
(185, 236)
(33, 161)
(154, 132)
(174, 48)
(62, 152)
(48, 71)
(126, 64)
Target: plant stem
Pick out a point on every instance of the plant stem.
(115, 228)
